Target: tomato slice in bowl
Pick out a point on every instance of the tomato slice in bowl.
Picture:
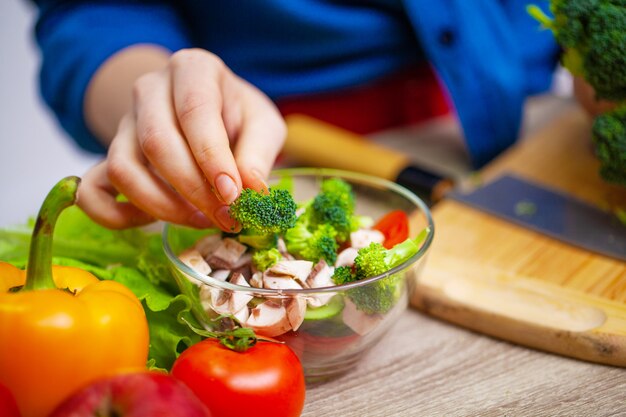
(394, 226)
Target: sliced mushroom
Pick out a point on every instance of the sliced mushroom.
(299, 270)
(216, 299)
(220, 274)
(280, 282)
(226, 254)
(364, 237)
(296, 308)
(359, 321)
(194, 260)
(207, 244)
(269, 319)
(239, 300)
(346, 257)
(321, 276)
(244, 261)
(256, 280)
(242, 315)
(282, 248)
(213, 294)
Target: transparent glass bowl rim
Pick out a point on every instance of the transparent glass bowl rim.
(326, 172)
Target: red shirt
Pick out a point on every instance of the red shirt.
(405, 98)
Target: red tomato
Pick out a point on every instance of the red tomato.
(265, 381)
(8, 406)
(395, 226)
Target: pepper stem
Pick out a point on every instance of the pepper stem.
(39, 270)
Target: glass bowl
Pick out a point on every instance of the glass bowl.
(334, 337)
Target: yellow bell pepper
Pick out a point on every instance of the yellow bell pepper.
(61, 327)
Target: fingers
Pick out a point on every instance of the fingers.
(198, 79)
(261, 138)
(196, 135)
(129, 173)
(149, 197)
(97, 198)
(163, 145)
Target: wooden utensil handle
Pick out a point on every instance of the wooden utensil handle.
(314, 143)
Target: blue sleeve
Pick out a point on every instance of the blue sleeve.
(76, 37)
(490, 56)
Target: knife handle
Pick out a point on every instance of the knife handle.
(312, 142)
(315, 143)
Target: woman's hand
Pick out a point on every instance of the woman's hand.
(195, 136)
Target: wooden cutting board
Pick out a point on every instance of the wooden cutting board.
(502, 280)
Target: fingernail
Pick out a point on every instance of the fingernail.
(226, 222)
(226, 188)
(261, 180)
(200, 220)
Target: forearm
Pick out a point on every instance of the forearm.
(109, 92)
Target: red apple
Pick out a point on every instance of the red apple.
(146, 394)
(8, 406)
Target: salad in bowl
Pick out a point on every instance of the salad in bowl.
(324, 262)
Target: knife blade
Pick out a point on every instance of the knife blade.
(551, 212)
(311, 142)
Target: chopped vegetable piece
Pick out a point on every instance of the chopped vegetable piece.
(312, 246)
(334, 206)
(265, 259)
(395, 226)
(331, 309)
(264, 213)
(378, 297)
(264, 241)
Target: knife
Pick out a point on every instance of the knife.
(548, 211)
(553, 213)
(311, 142)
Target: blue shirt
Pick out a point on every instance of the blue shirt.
(489, 54)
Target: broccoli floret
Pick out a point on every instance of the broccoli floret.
(375, 259)
(370, 261)
(266, 241)
(343, 275)
(592, 35)
(361, 222)
(312, 246)
(340, 190)
(380, 296)
(264, 213)
(609, 137)
(333, 205)
(377, 298)
(265, 259)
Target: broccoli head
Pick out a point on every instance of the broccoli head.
(264, 259)
(592, 35)
(312, 246)
(333, 205)
(343, 275)
(264, 213)
(375, 259)
(370, 261)
(263, 241)
(609, 137)
(340, 190)
(379, 296)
